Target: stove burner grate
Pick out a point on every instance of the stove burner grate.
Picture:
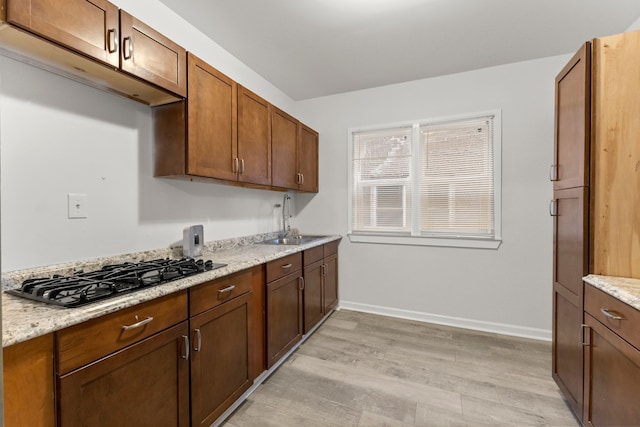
(111, 280)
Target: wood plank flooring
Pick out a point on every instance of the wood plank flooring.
(367, 370)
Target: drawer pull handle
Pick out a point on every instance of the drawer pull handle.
(611, 314)
(222, 292)
(287, 266)
(127, 48)
(139, 324)
(198, 345)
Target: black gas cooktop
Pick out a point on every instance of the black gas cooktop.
(111, 280)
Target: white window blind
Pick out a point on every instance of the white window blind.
(456, 178)
(430, 179)
(382, 180)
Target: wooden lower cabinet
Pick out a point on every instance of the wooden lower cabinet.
(284, 315)
(145, 384)
(28, 383)
(320, 293)
(313, 295)
(330, 282)
(222, 349)
(612, 378)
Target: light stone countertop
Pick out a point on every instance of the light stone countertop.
(624, 289)
(23, 319)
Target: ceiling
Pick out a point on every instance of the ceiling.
(312, 48)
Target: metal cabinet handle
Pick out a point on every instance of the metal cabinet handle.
(612, 314)
(241, 166)
(553, 208)
(583, 335)
(138, 324)
(127, 48)
(235, 166)
(301, 283)
(225, 292)
(301, 178)
(286, 266)
(553, 173)
(112, 40)
(198, 345)
(324, 269)
(185, 342)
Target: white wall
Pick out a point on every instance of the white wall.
(508, 286)
(59, 137)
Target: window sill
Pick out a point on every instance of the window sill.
(426, 241)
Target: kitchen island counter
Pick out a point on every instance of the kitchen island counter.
(23, 319)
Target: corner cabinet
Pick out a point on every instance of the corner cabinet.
(595, 192)
(28, 383)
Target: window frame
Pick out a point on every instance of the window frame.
(415, 238)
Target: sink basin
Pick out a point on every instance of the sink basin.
(292, 240)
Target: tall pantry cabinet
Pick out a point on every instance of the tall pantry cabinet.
(596, 176)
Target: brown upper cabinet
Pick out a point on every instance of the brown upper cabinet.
(254, 138)
(88, 27)
(295, 153)
(147, 54)
(225, 132)
(307, 175)
(211, 122)
(89, 40)
(227, 135)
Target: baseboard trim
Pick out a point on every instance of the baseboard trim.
(498, 328)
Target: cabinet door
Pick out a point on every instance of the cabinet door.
(308, 160)
(254, 138)
(570, 243)
(284, 145)
(151, 56)
(284, 316)
(28, 383)
(570, 264)
(567, 349)
(572, 125)
(211, 126)
(612, 379)
(220, 364)
(146, 384)
(86, 26)
(330, 282)
(313, 295)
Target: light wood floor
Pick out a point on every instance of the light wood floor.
(366, 370)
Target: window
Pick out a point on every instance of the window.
(430, 182)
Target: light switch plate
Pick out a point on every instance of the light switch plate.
(77, 205)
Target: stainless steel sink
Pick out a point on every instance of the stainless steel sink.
(292, 240)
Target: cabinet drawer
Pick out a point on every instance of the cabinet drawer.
(331, 248)
(214, 293)
(93, 339)
(281, 267)
(312, 255)
(621, 318)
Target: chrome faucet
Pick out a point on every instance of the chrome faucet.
(286, 215)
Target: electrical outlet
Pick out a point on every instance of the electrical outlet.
(77, 205)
